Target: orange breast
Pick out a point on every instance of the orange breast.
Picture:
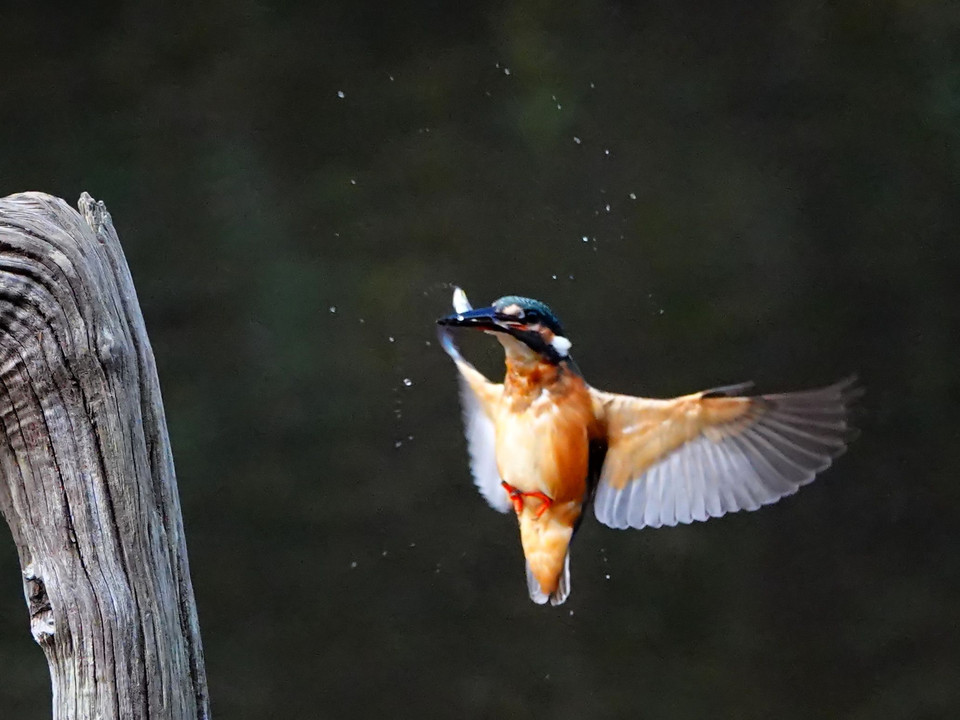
(543, 426)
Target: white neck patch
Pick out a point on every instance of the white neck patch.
(561, 345)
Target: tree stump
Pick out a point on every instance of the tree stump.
(86, 475)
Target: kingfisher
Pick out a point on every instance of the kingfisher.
(545, 444)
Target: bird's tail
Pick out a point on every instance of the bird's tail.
(558, 596)
(546, 547)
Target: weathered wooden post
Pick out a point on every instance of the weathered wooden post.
(86, 474)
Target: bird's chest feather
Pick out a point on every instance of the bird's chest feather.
(542, 432)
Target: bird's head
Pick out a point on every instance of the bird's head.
(514, 319)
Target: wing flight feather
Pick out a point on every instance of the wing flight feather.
(478, 396)
(707, 454)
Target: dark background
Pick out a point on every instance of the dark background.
(705, 193)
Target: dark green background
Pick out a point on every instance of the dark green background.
(768, 191)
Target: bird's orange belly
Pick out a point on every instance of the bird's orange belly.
(541, 450)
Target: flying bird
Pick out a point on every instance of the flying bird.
(544, 443)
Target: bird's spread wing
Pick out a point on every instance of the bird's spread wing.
(703, 455)
(478, 396)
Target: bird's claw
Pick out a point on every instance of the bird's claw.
(517, 498)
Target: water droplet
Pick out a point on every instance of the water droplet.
(398, 443)
(391, 77)
(633, 196)
(408, 382)
(606, 151)
(506, 71)
(353, 564)
(554, 277)
(576, 139)
(390, 338)
(341, 94)
(608, 208)
(586, 239)
(607, 577)
(333, 308)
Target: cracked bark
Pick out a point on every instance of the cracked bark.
(86, 474)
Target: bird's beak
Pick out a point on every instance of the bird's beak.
(481, 319)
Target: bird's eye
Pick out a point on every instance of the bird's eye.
(532, 316)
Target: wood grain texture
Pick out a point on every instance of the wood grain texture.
(87, 483)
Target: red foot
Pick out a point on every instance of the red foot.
(517, 496)
(545, 500)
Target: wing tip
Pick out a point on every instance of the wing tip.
(448, 344)
(847, 389)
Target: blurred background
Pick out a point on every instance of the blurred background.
(704, 192)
